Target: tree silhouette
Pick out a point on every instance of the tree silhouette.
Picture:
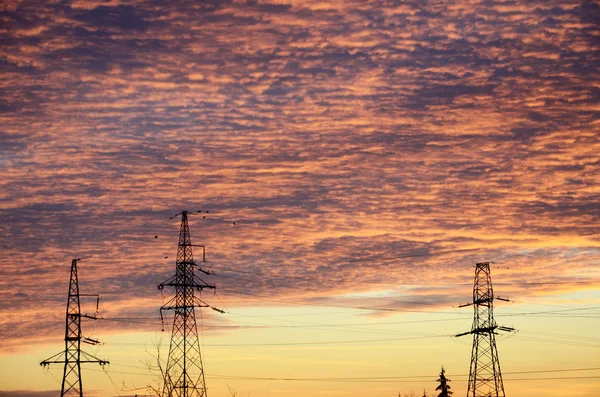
(443, 387)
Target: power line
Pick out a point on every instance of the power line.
(429, 380)
(335, 342)
(572, 339)
(370, 308)
(550, 311)
(554, 378)
(387, 379)
(147, 320)
(536, 371)
(539, 371)
(559, 342)
(311, 325)
(346, 327)
(586, 338)
(384, 309)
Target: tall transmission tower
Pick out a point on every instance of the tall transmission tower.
(485, 377)
(184, 373)
(72, 356)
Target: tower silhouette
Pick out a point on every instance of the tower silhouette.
(184, 373)
(72, 356)
(485, 377)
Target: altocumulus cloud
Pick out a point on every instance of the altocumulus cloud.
(340, 137)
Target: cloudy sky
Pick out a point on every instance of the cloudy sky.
(369, 153)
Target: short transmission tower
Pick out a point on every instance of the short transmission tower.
(184, 374)
(72, 356)
(485, 377)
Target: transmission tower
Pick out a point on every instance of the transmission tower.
(72, 356)
(184, 374)
(485, 377)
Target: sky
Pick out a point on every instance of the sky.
(355, 159)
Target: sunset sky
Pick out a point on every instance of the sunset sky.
(369, 153)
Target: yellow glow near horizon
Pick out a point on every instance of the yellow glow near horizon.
(246, 359)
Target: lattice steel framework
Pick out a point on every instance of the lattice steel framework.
(485, 377)
(72, 356)
(184, 373)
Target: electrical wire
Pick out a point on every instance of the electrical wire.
(368, 308)
(549, 312)
(313, 325)
(537, 371)
(352, 327)
(301, 303)
(304, 324)
(111, 381)
(558, 342)
(48, 370)
(388, 299)
(428, 380)
(202, 351)
(334, 342)
(570, 337)
(388, 379)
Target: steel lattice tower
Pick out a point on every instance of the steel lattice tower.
(485, 377)
(72, 356)
(184, 374)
